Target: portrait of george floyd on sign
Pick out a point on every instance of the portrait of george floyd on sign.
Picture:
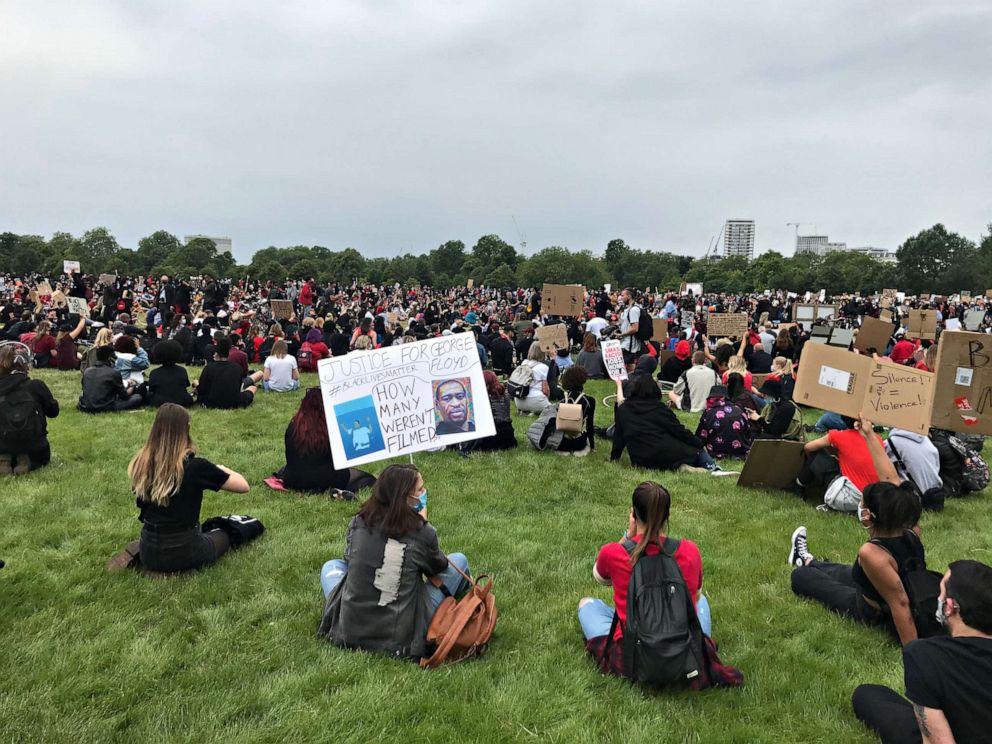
(563, 299)
(403, 399)
(847, 383)
(963, 394)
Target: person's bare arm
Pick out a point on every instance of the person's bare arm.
(816, 444)
(706, 349)
(620, 398)
(884, 468)
(933, 724)
(235, 482)
(74, 333)
(744, 340)
(877, 565)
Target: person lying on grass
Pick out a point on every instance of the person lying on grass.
(871, 590)
(309, 462)
(26, 405)
(168, 481)
(646, 535)
(376, 597)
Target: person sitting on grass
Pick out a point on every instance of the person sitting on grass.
(168, 481)
(646, 535)
(42, 345)
(130, 359)
(591, 358)
(948, 680)
(25, 404)
(309, 463)
(579, 444)
(871, 590)
(780, 418)
(104, 337)
(499, 403)
(537, 398)
(66, 351)
(376, 598)
(169, 383)
(653, 435)
(852, 460)
(724, 428)
(221, 384)
(782, 370)
(281, 373)
(103, 388)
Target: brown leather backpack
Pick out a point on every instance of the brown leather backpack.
(461, 629)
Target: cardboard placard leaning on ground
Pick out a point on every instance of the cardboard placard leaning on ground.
(922, 324)
(962, 398)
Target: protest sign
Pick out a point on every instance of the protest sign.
(403, 399)
(392, 317)
(763, 320)
(772, 463)
(820, 334)
(846, 383)
(68, 266)
(966, 297)
(727, 324)
(988, 294)
(35, 300)
(688, 319)
(841, 338)
(963, 394)
(922, 324)
(663, 356)
(470, 283)
(613, 360)
(282, 309)
(552, 338)
(973, 319)
(694, 288)
(563, 299)
(952, 324)
(758, 379)
(59, 299)
(108, 278)
(885, 315)
(78, 306)
(873, 334)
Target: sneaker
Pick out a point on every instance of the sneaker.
(799, 552)
(339, 494)
(719, 472)
(582, 452)
(692, 469)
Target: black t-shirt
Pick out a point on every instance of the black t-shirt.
(184, 507)
(309, 472)
(220, 385)
(169, 384)
(953, 675)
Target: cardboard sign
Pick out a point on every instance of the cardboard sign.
(841, 338)
(35, 300)
(69, 266)
(688, 319)
(988, 294)
(281, 309)
(470, 283)
(78, 306)
(885, 315)
(108, 278)
(922, 324)
(552, 337)
(873, 334)
(758, 379)
(963, 395)
(563, 299)
(403, 399)
(664, 355)
(966, 297)
(695, 288)
(727, 324)
(613, 360)
(846, 383)
(392, 318)
(952, 324)
(973, 319)
(59, 299)
(772, 463)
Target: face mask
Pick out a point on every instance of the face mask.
(941, 617)
(421, 502)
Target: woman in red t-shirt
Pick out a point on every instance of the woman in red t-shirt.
(648, 520)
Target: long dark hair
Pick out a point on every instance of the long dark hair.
(735, 385)
(652, 504)
(387, 511)
(310, 425)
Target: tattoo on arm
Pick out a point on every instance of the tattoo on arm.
(921, 718)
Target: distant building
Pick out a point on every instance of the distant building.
(738, 238)
(815, 244)
(879, 254)
(820, 245)
(223, 244)
(831, 247)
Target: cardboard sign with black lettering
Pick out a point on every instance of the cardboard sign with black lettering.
(727, 324)
(552, 337)
(873, 334)
(78, 306)
(563, 299)
(613, 360)
(963, 395)
(922, 324)
(772, 463)
(108, 278)
(282, 309)
(846, 383)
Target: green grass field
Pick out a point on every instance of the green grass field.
(230, 653)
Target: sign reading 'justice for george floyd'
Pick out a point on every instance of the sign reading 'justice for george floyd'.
(404, 399)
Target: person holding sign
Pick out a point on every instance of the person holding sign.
(376, 596)
(66, 351)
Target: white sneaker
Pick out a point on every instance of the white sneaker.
(719, 472)
(799, 551)
(582, 452)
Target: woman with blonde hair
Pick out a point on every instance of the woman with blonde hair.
(168, 481)
(782, 370)
(104, 337)
(538, 396)
(281, 373)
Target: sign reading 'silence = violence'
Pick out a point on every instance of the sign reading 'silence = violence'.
(404, 399)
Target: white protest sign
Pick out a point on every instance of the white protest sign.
(78, 306)
(68, 266)
(613, 359)
(404, 399)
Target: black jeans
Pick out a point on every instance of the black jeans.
(832, 585)
(818, 471)
(181, 551)
(887, 713)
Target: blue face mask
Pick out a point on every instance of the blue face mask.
(421, 501)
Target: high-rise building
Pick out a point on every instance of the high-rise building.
(815, 244)
(738, 238)
(223, 244)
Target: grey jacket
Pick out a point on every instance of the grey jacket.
(920, 459)
(381, 604)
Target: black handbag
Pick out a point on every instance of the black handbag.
(239, 527)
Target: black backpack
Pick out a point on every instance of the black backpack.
(22, 421)
(645, 326)
(662, 639)
(922, 588)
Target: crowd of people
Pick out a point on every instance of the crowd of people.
(138, 339)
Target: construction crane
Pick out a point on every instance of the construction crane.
(520, 235)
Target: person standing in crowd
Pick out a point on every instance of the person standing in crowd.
(25, 404)
(948, 679)
(629, 325)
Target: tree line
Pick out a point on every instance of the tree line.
(935, 260)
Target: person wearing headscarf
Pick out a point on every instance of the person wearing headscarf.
(675, 365)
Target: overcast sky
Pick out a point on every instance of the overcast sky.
(393, 126)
